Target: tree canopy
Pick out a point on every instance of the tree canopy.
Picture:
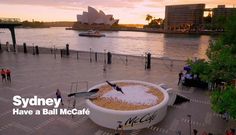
(148, 17)
(221, 67)
(154, 23)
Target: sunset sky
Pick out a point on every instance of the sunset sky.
(128, 11)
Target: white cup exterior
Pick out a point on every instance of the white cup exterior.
(132, 119)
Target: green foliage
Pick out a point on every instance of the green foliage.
(219, 22)
(201, 68)
(207, 19)
(221, 67)
(224, 101)
(229, 36)
(155, 23)
(148, 17)
(35, 24)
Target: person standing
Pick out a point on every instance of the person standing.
(204, 133)
(8, 73)
(180, 76)
(3, 73)
(58, 94)
(195, 131)
(7, 47)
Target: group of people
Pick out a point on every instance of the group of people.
(230, 132)
(6, 75)
(195, 132)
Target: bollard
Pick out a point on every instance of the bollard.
(109, 56)
(24, 47)
(55, 53)
(77, 55)
(67, 50)
(90, 55)
(37, 50)
(61, 52)
(149, 61)
(96, 56)
(33, 51)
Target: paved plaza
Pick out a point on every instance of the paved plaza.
(42, 74)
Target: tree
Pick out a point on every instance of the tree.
(219, 22)
(148, 17)
(224, 101)
(207, 19)
(222, 54)
(202, 68)
(221, 67)
(155, 23)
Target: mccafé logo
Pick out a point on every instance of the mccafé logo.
(139, 120)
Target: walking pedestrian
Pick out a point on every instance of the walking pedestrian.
(232, 131)
(58, 94)
(204, 133)
(8, 73)
(180, 76)
(195, 131)
(3, 73)
(227, 132)
(226, 116)
(7, 47)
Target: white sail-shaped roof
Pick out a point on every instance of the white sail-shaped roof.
(95, 17)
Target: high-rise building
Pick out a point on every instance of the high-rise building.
(183, 17)
(222, 11)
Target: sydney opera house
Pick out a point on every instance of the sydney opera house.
(94, 17)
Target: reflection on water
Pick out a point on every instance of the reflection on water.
(176, 46)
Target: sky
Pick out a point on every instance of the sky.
(127, 11)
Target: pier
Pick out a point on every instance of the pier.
(10, 23)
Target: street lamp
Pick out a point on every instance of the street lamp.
(190, 130)
(90, 53)
(104, 66)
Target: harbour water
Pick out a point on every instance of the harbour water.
(176, 46)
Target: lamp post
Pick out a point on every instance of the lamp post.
(33, 50)
(104, 66)
(55, 56)
(90, 53)
(190, 121)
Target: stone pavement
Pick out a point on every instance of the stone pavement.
(42, 75)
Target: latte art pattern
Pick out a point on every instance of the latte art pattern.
(136, 96)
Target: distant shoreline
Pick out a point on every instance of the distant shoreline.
(120, 27)
(154, 31)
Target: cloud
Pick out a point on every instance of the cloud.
(74, 4)
(128, 11)
(209, 3)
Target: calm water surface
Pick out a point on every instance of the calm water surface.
(133, 43)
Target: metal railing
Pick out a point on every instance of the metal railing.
(9, 20)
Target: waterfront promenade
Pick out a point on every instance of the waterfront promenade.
(42, 74)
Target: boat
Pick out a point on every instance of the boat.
(92, 33)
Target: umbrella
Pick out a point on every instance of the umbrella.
(187, 68)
